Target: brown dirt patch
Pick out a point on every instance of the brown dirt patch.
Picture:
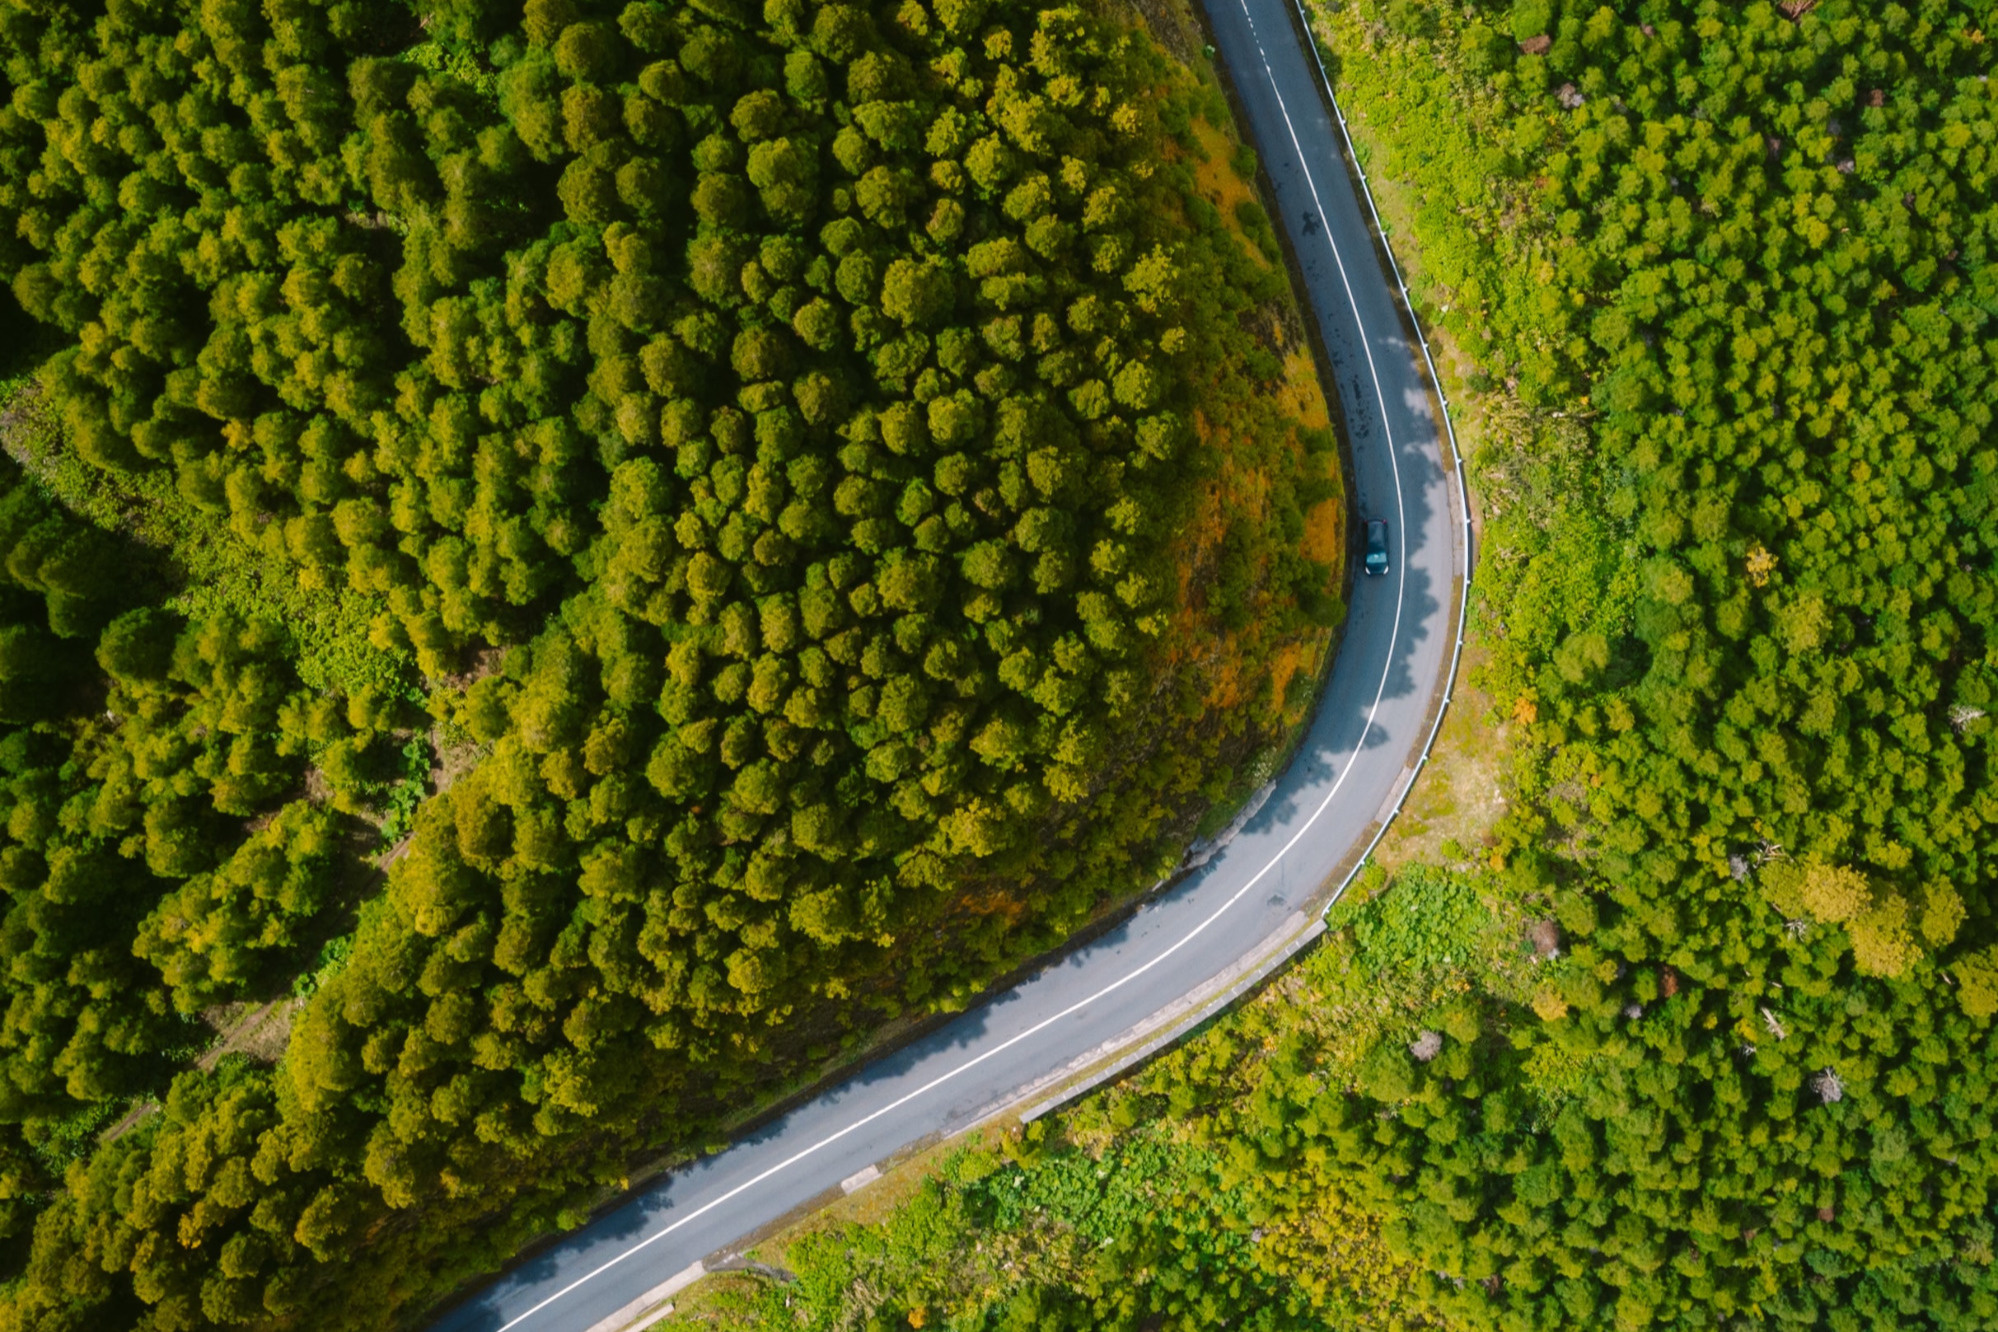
(260, 1031)
(455, 758)
(395, 853)
(1459, 796)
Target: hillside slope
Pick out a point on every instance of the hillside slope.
(758, 522)
(1699, 1032)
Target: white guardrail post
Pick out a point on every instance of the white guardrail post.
(1449, 430)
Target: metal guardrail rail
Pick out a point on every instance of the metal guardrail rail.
(1450, 432)
(1154, 1034)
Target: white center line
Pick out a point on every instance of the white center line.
(1118, 984)
(1366, 344)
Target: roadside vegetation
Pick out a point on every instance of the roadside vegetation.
(1145, 1204)
(571, 561)
(1730, 288)
(1717, 290)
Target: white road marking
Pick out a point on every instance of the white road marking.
(1366, 344)
(1118, 984)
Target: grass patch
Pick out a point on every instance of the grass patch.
(1043, 1226)
(1433, 918)
(200, 565)
(1154, 1180)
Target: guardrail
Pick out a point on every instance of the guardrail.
(1449, 430)
(1169, 1025)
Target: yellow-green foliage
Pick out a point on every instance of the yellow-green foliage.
(1152, 1199)
(820, 456)
(1726, 270)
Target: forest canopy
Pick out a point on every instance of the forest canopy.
(1723, 1053)
(801, 506)
(1741, 602)
(1698, 1030)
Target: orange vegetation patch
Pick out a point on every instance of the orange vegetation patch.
(1241, 488)
(1214, 175)
(996, 901)
(1201, 533)
(1325, 526)
(1190, 638)
(1303, 401)
(1226, 692)
(1284, 663)
(1302, 398)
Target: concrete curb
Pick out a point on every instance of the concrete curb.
(1096, 1066)
(1179, 1025)
(650, 1307)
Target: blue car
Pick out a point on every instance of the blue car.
(1377, 547)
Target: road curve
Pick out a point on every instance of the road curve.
(1370, 731)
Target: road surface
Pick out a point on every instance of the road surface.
(1372, 724)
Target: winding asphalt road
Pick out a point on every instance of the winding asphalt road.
(1359, 756)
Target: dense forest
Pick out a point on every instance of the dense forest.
(586, 556)
(1743, 609)
(1747, 618)
(1718, 282)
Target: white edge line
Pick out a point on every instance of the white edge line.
(1372, 713)
(974, 1062)
(1449, 429)
(1176, 1028)
(1366, 347)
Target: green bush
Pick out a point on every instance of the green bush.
(1727, 271)
(819, 460)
